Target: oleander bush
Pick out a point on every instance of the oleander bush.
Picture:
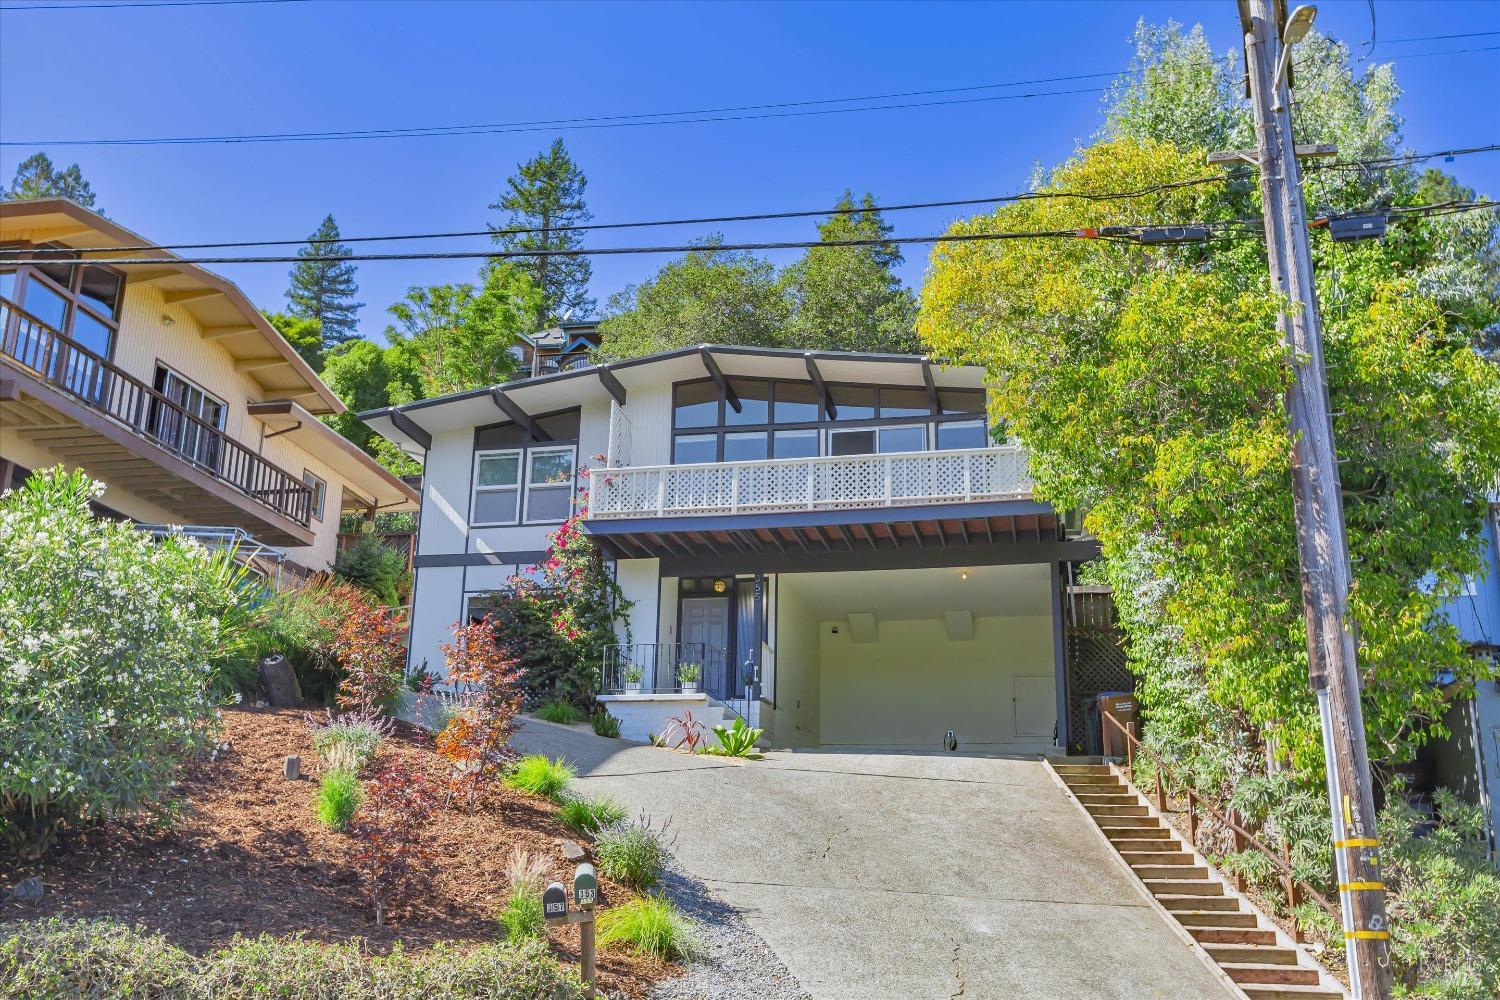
(540, 776)
(634, 853)
(107, 640)
(106, 960)
(650, 925)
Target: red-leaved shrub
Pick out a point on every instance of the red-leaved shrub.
(387, 832)
(489, 696)
(368, 645)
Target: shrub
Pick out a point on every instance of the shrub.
(370, 649)
(540, 776)
(633, 853)
(605, 725)
(106, 636)
(650, 925)
(1442, 898)
(337, 798)
(522, 916)
(375, 567)
(736, 741)
(683, 732)
(361, 734)
(475, 736)
(388, 830)
(590, 815)
(98, 959)
(560, 712)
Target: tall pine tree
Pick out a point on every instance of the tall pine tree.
(36, 177)
(850, 298)
(547, 191)
(324, 289)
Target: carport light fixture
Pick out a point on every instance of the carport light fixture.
(963, 574)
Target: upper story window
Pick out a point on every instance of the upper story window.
(319, 493)
(80, 301)
(521, 481)
(784, 419)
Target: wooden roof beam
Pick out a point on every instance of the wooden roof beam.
(518, 416)
(725, 389)
(822, 387)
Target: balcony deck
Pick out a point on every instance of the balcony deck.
(808, 484)
(60, 396)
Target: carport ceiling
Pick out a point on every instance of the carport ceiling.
(906, 594)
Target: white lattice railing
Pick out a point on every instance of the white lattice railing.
(926, 477)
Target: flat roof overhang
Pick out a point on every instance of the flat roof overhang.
(926, 535)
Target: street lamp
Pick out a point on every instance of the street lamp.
(1297, 27)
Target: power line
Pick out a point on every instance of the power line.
(701, 220)
(139, 3)
(761, 112)
(1378, 163)
(1437, 38)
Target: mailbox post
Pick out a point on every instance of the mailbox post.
(585, 898)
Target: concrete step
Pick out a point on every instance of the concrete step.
(1183, 887)
(1231, 935)
(1210, 919)
(1287, 991)
(1102, 811)
(1251, 954)
(1197, 905)
(1270, 974)
(1151, 871)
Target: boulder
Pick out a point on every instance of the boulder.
(280, 681)
(28, 890)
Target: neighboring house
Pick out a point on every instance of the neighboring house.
(834, 541)
(1470, 759)
(557, 349)
(164, 382)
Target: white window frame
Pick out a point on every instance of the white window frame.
(527, 485)
(925, 428)
(519, 487)
(319, 487)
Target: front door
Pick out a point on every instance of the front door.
(705, 641)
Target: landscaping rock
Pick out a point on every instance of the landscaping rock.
(28, 890)
(293, 768)
(280, 681)
(573, 852)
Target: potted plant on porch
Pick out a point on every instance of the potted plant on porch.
(633, 677)
(687, 675)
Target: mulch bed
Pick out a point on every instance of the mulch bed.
(246, 856)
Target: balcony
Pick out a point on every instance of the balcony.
(911, 479)
(75, 403)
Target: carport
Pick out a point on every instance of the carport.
(901, 658)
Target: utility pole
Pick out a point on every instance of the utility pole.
(1322, 547)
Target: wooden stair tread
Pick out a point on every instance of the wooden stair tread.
(1252, 954)
(1231, 935)
(1216, 919)
(1288, 991)
(1264, 972)
(1220, 904)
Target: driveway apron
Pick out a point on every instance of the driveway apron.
(903, 875)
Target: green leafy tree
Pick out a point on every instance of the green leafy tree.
(1147, 387)
(1437, 188)
(456, 337)
(849, 298)
(710, 296)
(365, 377)
(547, 192)
(305, 336)
(323, 289)
(36, 177)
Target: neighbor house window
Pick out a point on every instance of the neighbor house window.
(549, 484)
(319, 493)
(497, 487)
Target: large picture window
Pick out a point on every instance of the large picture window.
(778, 419)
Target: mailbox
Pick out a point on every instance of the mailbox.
(555, 902)
(585, 885)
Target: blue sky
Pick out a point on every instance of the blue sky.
(331, 64)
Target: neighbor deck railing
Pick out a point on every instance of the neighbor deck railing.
(823, 483)
(1295, 888)
(101, 386)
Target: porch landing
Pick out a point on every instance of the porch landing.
(915, 874)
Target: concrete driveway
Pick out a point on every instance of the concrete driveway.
(904, 875)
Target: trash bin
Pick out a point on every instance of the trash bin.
(1119, 705)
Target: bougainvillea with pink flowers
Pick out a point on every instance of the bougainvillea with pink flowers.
(561, 614)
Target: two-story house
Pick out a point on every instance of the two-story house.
(831, 545)
(556, 348)
(163, 381)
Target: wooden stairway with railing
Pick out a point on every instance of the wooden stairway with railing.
(1255, 954)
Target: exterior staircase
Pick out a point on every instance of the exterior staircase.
(1257, 955)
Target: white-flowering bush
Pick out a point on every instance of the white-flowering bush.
(106, 639)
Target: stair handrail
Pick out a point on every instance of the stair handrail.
(1242, 837)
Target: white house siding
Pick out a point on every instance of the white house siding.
(638, 580)
(649, 409)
